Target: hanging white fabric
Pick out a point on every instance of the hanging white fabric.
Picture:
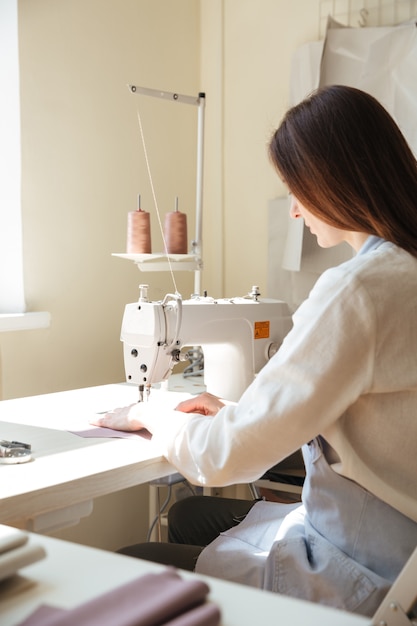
(381, 61)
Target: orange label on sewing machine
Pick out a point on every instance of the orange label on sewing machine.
(261, 330)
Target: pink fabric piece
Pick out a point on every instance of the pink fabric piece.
(150, 600)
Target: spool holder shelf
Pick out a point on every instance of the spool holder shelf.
(161, 262)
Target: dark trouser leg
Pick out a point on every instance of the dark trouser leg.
(174, 554)
(192, 524)
(198, 520)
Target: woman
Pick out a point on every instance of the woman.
(343, 385)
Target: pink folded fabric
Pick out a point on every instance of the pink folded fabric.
(163, 599)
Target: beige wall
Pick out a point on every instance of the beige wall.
(247, 46)
(83, 165)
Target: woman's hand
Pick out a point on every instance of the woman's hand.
(141, 415)
(205, 404)
(126, 418)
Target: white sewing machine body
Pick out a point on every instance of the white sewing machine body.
(237, 336)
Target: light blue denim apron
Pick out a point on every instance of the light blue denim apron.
(342, 547)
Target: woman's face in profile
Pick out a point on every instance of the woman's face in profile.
(327, 235)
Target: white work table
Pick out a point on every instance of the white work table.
(68, 471)
(71, 575)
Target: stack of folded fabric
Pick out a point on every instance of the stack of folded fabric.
(163, 599)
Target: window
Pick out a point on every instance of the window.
(13, 314)
(11, 265)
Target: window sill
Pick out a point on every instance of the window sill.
(24, 321)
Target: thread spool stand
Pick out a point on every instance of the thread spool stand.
(162, 262)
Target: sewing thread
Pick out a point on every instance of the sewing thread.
(138, 232)
(175, 232)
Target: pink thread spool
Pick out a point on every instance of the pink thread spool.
(138, 232)
(175, 231)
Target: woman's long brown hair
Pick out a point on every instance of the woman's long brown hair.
(345, 159)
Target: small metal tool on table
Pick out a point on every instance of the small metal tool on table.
(12, 452)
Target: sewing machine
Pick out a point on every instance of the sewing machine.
(237, 336)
